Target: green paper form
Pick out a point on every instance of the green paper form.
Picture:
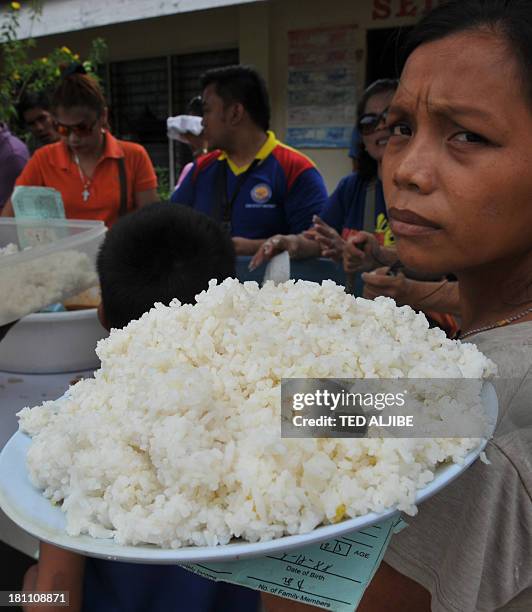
(331, 575)
(37, 203)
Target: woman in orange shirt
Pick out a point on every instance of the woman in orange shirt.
(98, 176)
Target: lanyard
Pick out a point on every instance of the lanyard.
(227, 204)
(370, 207)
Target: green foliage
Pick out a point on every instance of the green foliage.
(163, 183)
(19, 74)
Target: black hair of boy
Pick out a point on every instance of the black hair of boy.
(158, 253)
(31, 100)
(241, 84)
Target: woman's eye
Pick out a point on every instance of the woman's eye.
(400, 129)
(469, 137)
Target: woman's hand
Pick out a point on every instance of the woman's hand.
(398, 287)
(361, 253)
(329, 240)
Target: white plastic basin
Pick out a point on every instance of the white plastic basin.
(49, 343)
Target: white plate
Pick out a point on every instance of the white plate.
(26, 506)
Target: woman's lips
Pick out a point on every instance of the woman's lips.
(407, 223)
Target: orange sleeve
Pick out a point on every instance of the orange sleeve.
(32, 175)
(144, 176)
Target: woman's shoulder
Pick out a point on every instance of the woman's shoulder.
(355, 180)
(510, 347)
(351, 186)
(132, 149)
(518, 335)
(49, 152)
(45, 160)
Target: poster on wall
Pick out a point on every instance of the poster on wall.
(321, 87)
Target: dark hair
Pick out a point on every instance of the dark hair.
(157, 253)
(195, 107)
(367, 166)
(31, 100)
(511, 19)
(241, 84)
(79, 89)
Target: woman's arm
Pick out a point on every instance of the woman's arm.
(247, 246)
(441, 296)
(142, 198)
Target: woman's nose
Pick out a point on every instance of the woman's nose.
(414, 167)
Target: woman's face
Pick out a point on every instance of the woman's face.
(457, 170)
(80, 128)
(375, 142)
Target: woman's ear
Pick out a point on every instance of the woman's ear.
(102, 318)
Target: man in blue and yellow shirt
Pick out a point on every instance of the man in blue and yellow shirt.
(255, 185)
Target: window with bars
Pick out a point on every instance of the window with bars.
(143, 93)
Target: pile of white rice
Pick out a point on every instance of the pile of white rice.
(9, 249)
(177, 439)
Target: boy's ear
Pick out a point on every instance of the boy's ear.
(102, 318)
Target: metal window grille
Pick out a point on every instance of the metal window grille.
(143, 93)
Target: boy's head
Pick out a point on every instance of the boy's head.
(235, 100)
(158, 253)
(34, 113)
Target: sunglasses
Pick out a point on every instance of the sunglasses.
(369, 122)
(80, 129)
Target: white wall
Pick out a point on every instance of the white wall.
(59, 16)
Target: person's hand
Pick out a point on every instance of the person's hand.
(273, 246)
(399, 288)
(246, 246)
(360, 253)
(330, 241)
(29, 584)
(198, 144)
(57, 570)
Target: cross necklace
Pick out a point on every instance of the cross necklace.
(85, 181)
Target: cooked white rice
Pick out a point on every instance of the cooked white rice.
(28, 286)
(9, 249)
(177, 439)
